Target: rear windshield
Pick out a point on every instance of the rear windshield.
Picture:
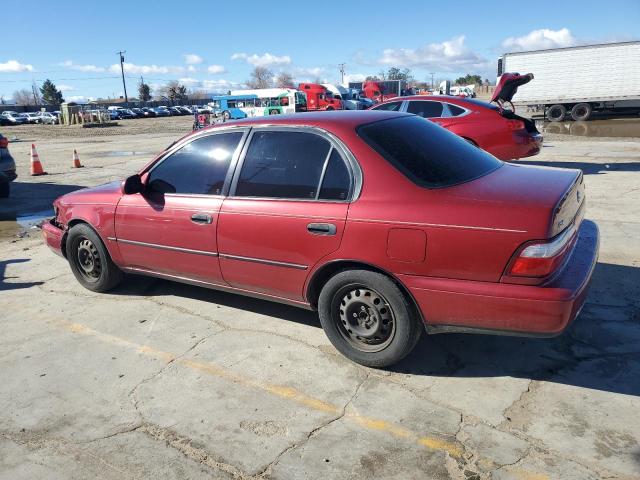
(427, 154)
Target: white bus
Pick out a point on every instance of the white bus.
(270, 101)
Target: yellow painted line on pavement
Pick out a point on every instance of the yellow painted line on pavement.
(287, 393)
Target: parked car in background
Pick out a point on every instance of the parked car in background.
(500, 132)
(175, 111)
(162, 112)
(185, 110)
(48, 118)
(204, 109)
(7, 167)
(382, 221)
(138, 112)
(14, 118)
(115, 114)
(149, 112)
(126, 113)
(32, 117)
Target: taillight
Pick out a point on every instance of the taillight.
(540, 259)
(515, 124)
(4, 142)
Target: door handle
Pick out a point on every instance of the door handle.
(322, 228)
(201, 218)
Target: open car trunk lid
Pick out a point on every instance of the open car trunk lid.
(508, 86)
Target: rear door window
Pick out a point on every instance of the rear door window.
(281, 164)
(425, 109)
(425, 153)
(455, 110)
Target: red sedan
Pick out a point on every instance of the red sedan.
(385, 223)
(500, 132)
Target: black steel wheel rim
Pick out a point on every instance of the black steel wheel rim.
(88, 260)
(363, 317)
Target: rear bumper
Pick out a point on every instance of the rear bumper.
(543, 310)
(528, 144)
(53, 237)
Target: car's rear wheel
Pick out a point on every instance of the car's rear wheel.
(557, 113)
(226, 115)
(581, 112)
(274, 112)
(368, 318)
(90, 261)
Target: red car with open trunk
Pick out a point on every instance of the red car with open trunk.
(382, 221)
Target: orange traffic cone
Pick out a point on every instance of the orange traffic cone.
(76, 160)
(36, 166)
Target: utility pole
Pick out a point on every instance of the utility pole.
(432, 74)
(342, 65)
(124, 85)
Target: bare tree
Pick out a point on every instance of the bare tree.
(285, 79)
(23, 97)
(261, 77)
(173, 90)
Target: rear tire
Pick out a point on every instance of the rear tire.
(226, 115)
(368, 318)
(581, 112)
(90, 261)
(274, 112)
(557, 113)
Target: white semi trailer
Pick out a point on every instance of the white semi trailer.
(574, 82)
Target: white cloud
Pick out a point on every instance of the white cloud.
(540, 39)
(65, 88)
(216, 69)
(354, 77)
(79, 99)
(146, 69)
(191, 68)
(13, 66)
(448, 56)
(264, 60)
(310, 71)
(188, 81)
(81, 68)
(193, 59)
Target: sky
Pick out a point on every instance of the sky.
(213, 46)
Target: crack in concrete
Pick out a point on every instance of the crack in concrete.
(269, 468)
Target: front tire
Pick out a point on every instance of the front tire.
(368, 318)
(90, 261)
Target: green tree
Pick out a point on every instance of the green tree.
(394, 73)
(144, 92)
(50, 94)
(469, 79)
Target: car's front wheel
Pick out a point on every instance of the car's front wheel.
(90, 261)
(368, 318)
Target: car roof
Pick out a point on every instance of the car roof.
(328, 120)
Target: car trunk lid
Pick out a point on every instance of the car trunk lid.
(541, 201)
(508, 86)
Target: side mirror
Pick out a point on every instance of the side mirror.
(160, 186)
(132, 184)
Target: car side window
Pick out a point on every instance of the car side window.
(391, 106)
(425, 109)
(455, 110)
(336, 182)
(282, 164)
(199, 167)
